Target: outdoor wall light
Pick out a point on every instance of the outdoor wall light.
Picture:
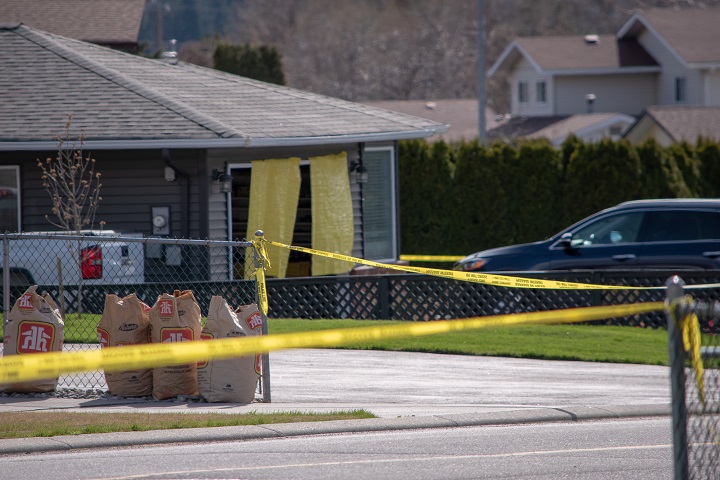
(223, 180)
(359, 170)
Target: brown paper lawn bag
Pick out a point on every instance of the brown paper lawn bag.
(126, 321)
(232, 380)
(34, 325)
(175, 318)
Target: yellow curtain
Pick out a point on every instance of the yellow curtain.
(332, 214)
(274, 193)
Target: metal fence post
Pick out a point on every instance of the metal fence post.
(677, 377)
(384, 294)
(265, 376)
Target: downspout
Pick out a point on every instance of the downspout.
(184, 194)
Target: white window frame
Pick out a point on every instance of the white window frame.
(16, 169)
(393, 204)
(541, 87)
(523, 92)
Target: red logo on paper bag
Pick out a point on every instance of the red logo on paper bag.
(35, 337)
(103, 337)
(258, 363)
(25, 302)
(204, 336)
(166, 308)
(254, 321)
(176, 334)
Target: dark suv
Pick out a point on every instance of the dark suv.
(643, 234)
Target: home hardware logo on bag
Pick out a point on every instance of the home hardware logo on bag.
(103, 338)
(35, 337)
(166, 308)
(176, 334)
(254, 321)
(25, 302)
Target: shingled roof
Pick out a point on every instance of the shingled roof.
(570, 54)
(105, 22)
(692, 34)
(124, 101)
(686, 123)
(460, 114)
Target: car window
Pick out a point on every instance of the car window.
(611, 230)
(669, 226)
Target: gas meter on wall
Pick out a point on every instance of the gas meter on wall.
(160, 220)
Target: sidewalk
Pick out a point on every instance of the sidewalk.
(405, 390)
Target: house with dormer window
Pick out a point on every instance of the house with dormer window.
(659, 57)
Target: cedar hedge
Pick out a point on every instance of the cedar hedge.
(463, 197)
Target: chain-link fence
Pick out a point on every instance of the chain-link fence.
(694, 348)
(78, 271)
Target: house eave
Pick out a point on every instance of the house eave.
(603, 71)
(234, 142)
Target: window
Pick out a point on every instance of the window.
(610, 230)
(9, 199)
(541, 92)
(379, 209)
(680, 89)
(522, 92)
(666, 226)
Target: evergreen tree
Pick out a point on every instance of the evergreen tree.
(708, 154)
(599, 176)
(258, 62)
(536, 197)
(424, 203)
(480, 215)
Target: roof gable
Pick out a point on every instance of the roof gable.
(570, 54)
(687, 123)
(118, 97)
(692, 35)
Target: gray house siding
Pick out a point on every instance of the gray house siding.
(628, 94)
(132, 181)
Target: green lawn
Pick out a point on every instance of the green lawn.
(593, 343)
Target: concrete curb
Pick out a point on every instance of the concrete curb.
(224, 434)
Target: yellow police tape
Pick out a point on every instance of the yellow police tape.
(691, 342)
(431, 258)
(485, 278)
(21, 368)
(264, 262)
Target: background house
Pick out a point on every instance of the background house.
(111, 23)
(675, 124)
(163, 133)
(460, 114)
(659, 57)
